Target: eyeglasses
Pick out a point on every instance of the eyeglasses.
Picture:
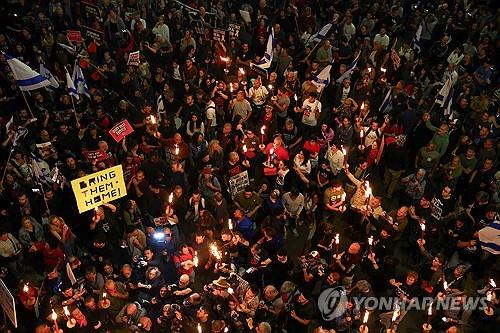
(168, 235)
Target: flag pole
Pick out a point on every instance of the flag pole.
(27, 104)
(5, 169)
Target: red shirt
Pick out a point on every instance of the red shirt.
(280, 153)
(181, 257)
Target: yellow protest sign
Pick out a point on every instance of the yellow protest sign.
(100, 187)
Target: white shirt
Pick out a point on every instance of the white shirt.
(336, 160)
(258, 95)
(211, 114)
(309, 115)
(132, 24)
(162, 31)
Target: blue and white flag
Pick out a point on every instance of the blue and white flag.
(71, 50)
(79, 80)
(322, 79)
(70, 85)
(320, 35)
(347, 74)
(44, 71)
(41, 170)
(267, 59)
(444, 94)
(447, 106)
(416, 39)
(489, 237)
(26, 78)
(386, 105)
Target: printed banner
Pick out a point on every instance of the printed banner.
(46, 150)
(219, 35)
(121, 130)
(234, 31)
(7, 303)
(89, 11)
(238, 182)
(74, 36)
(95, 155)
(104, 186)
(134, 59)
(92, 34)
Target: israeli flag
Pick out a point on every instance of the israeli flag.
(79, 80)
(322, 79)
(26, 78)
(70, 85)
(444, 94)
(44, 71)
(386, 105)
(350, 69)
(489, 238)
(267, 59)
(320, 35)
(416, 39)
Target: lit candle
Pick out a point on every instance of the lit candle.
(54, 319)
(230, 224)
(383, 70)
(296, 99)
(395, 316)
(493, 284)
(429, 313)
(342, 207)
(241, 70)
(26, 289)
(225, 59)
(368, 193)
(363, 327)
(171, 197)
(361, 134)
(362, 106)
(245, 149)
(215, 252)
(445, 286)
(176, 150)
(104, 295)
(66, 312)
(370, 244)
(230, 290)
(263, 132)
(344, 152)
(199, 328)
(152, 119)
(422, 227)
(337, 242)
(195, 259)
(369, 69)
(271, 152)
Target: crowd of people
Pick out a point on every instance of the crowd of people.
(250, 189)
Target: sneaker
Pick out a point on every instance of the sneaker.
(295, 232)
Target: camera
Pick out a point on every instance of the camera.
(172, 287)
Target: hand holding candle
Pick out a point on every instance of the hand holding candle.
(363, 328)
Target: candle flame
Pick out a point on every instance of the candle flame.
(370, 240)
(383, 70)
(241, 70)
(195, 259)
(231, 87)
(176, 149)
(295, 97)
(230, 224)
(225, 59)
(362, 105)
(492, 283)
(54, 315)
(26, 288)
(104, 295)
(152, 119)
(369, 69)
(429, 310)
(395, 315)
(66, 311)
(262, 129)
(445, 285)
(230, 290)
(361, 134)
(489, 296)
(368, 190)
(422, 226)
(270, 86)
(343, 196)
(215, 252)
(271, 151)
(344, 151)
(337, 238)
(365, 318)
(244, 148)
(171, 197)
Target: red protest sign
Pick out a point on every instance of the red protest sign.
(121, 130)
(74, 36)
(95, 155)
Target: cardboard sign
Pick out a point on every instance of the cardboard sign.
(121, 130)
(46, 149)
(89, 11)
(234, 31)
(100, 187)
(219, 35)
(95, 155)
(74, 36)
(134, 59)
(7, 303)
(92, 34)
(245, 15)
